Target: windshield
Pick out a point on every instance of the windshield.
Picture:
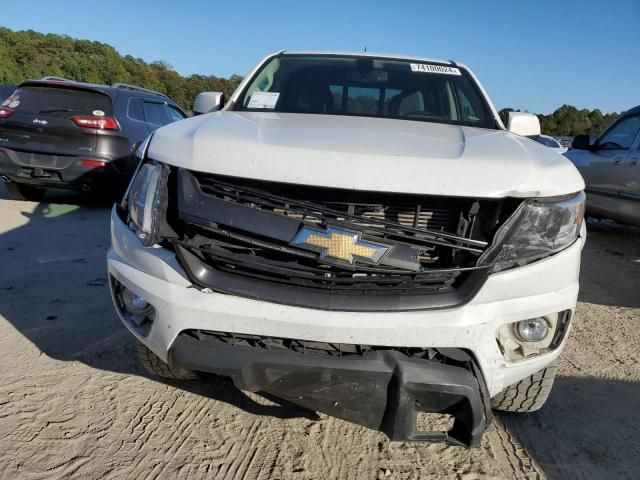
(367, 86)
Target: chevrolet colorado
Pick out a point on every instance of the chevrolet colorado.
(358, 234)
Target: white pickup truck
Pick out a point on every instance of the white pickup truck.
(358, 234)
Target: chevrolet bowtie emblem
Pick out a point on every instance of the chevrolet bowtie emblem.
(336, 244)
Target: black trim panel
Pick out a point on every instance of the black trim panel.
(201, 209)
(384, 390)
(206, 276)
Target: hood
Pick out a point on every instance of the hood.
(362, 153)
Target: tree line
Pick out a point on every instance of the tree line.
(29, 54)
(569, 121)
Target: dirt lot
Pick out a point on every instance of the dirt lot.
(75, 404)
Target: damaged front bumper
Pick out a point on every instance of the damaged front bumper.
(381, 389)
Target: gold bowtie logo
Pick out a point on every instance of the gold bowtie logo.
(340, 245)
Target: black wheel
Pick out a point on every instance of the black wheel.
(20, 191)
(152, 364)
(529, 394)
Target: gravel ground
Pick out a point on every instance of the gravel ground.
(74, 403)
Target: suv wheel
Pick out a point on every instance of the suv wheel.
(529, 394)
(20, 191)
(152, 364)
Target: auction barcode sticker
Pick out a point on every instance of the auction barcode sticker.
(428, 68)
(263, 100)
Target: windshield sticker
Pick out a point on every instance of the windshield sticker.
(98, 113)
(427, 68)
(263, 100)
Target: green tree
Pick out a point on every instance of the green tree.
(567, 120)
(29, 54)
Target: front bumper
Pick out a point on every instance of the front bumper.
(384, 390)
(538, 289)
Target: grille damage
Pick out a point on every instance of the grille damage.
(411, 218)
(239, 232)
(364, 209)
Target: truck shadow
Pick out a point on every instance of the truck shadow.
(223, 390)
(53, 283)
(589, 428)
(54, 291)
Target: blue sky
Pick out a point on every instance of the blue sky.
(529, 55)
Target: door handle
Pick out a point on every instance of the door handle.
(633, 161)
(617, 161)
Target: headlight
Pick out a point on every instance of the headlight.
(147, 201)
(146, 198)
(140, 155)
(537, 229)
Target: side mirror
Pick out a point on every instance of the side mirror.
(207, 102)
(581, 142)
(525, 124)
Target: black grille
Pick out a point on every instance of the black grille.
(267, 265)
(240, 236)
(360, 209)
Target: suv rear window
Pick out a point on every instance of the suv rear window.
(367, 86)
(58, 101)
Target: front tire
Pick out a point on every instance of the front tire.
(152, 364)
(20, 191)
(529, 394)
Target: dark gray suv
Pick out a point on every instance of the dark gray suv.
(57, 133)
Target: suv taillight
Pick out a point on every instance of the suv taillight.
(5, 112)
(100, 123)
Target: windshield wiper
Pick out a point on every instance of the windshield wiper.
(51, 110)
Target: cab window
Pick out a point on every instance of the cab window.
(621, 135)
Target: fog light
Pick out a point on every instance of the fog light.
(134, 309)
(133, 303)
(533, 330)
